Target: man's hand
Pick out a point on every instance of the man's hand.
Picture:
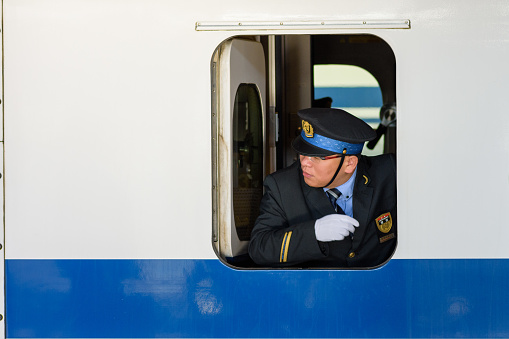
(334, 227)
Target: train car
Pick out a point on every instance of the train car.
(136, 136)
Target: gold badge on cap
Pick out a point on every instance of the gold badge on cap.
(384, 222)
(307, 128)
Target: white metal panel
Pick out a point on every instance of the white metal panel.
(453, 143)
(453, 146)
(107, 131)
(107, 127)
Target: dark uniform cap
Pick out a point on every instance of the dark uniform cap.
(328, 131)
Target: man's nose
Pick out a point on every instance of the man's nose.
(305, 161)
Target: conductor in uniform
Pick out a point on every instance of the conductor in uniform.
(332, 208)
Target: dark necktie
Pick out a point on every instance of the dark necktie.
(333, 195)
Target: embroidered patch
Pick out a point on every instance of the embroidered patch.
(386, 237)
(384, 222)
(307, 128)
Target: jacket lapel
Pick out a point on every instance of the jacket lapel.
(362, 197)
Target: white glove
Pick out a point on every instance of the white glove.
(334, 227)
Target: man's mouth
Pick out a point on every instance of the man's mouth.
(306, 174)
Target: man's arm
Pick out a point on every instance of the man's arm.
(277, 243)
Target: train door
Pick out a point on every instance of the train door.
(238, 68)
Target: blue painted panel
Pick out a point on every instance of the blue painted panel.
(351, 96)
(204, 298)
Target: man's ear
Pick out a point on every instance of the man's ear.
(351, 164)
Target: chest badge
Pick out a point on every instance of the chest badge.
(384, 222)
(307, 128)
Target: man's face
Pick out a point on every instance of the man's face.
(318, 172)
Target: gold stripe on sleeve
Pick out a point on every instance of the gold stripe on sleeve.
(287, 246)
(283, 247)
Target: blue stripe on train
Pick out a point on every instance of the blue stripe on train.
(204, 298)
(351, 96)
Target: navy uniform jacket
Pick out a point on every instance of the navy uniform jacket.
(284, 233)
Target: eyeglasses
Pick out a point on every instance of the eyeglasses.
(318, 159)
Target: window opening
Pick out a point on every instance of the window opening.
(357, 73)
(353, 89)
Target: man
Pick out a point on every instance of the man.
(304, 224)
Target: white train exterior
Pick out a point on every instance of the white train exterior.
(118, 213)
